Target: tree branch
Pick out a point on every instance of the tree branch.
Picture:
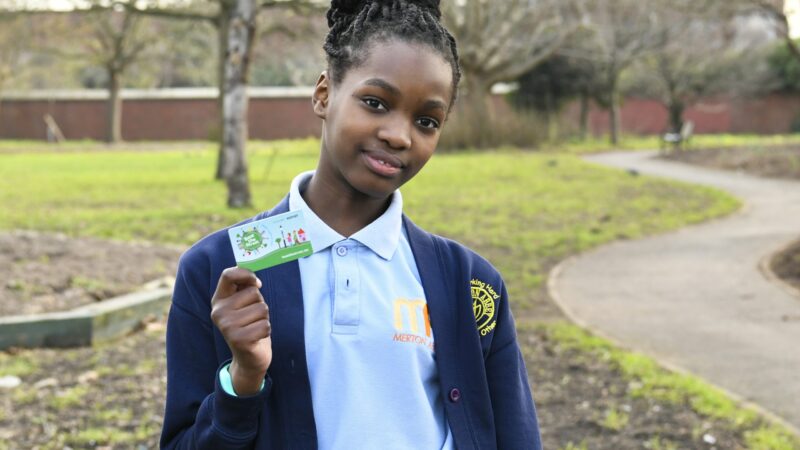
(168, 13)
(304, 7)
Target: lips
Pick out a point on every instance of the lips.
(382, 163)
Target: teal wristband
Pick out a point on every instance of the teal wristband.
(227, 383)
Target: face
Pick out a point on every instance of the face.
(382, 121)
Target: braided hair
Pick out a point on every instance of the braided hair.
(355, 23)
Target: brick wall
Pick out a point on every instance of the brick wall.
(280, 113)
(286, 113)
(771, 114)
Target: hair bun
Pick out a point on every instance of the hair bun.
(430, 4)
(348, 6)
(345, 8)
(354, 6)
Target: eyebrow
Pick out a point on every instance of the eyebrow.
(385, 85)
(435, 104)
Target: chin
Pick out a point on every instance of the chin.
(375, 187)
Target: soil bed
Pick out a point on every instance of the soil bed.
(786, 265)
(583, 400)
(772, 162)
(47, 272)
(112, 396)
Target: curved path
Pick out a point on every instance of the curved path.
(697, 298)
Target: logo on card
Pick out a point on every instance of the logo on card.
(250, 240)
(483, 305)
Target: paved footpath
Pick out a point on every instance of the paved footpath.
(696, 298)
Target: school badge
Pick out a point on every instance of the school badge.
(484, 300)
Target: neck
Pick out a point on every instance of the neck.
(344, 210)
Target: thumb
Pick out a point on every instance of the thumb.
(233, 279)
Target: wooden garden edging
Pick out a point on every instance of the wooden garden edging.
(89, 324)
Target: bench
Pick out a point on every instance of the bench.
(677, 140)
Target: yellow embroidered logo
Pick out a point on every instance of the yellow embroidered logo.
(414, 310)
(408, 316)
(483, 305)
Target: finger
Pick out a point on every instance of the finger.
(249, 314)
(234, 278)
(254, 332)
(225, 310)
(244, 298)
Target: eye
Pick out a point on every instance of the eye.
(374, 103)
(427, 122)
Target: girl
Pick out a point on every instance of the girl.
(386, 336)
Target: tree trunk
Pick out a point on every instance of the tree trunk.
(584, 130)
(614, 115)
(114, 134)
(237, 58)
(223, 28)
(675, 108)
(475, 111)
(551, 117)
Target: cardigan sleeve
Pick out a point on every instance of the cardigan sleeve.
(199, 414)
(514, 412)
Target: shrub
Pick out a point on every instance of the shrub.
(503, 128)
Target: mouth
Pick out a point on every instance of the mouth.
(382, 163)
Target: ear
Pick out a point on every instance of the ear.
(319, 100)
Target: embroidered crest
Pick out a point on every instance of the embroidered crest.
(483, 305)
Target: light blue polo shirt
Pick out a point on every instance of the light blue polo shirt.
(369, 343)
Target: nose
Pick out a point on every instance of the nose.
(396, 132)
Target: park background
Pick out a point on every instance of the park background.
(123, 139)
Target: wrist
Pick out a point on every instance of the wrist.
(246, 381)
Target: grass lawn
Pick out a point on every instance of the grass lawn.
(524, 211)
(697, 142)
(593, 144)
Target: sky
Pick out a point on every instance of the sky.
(793, 13)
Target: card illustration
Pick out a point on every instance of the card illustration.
(271, 241)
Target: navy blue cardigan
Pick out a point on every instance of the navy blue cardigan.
(482, 374)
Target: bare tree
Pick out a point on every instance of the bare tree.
(689, 62)
(289, 46)
(10, 51)
(499, 41)
(235, 21)
(241, 31)
(110, 39)
(775, 10)
(119, 40)
(703, 51)
(12, 48)
(624, 31)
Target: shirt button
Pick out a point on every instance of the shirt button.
(455, 395)
(341, 251)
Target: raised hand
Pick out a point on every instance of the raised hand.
(240, 313)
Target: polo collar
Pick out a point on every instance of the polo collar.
(381, 236)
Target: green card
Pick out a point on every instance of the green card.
(271, 241)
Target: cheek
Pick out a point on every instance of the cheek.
(428, 145)
(355, 127)
(424, 154)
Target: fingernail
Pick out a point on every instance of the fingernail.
(258, 281)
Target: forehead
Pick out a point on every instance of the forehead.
(413, 68)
